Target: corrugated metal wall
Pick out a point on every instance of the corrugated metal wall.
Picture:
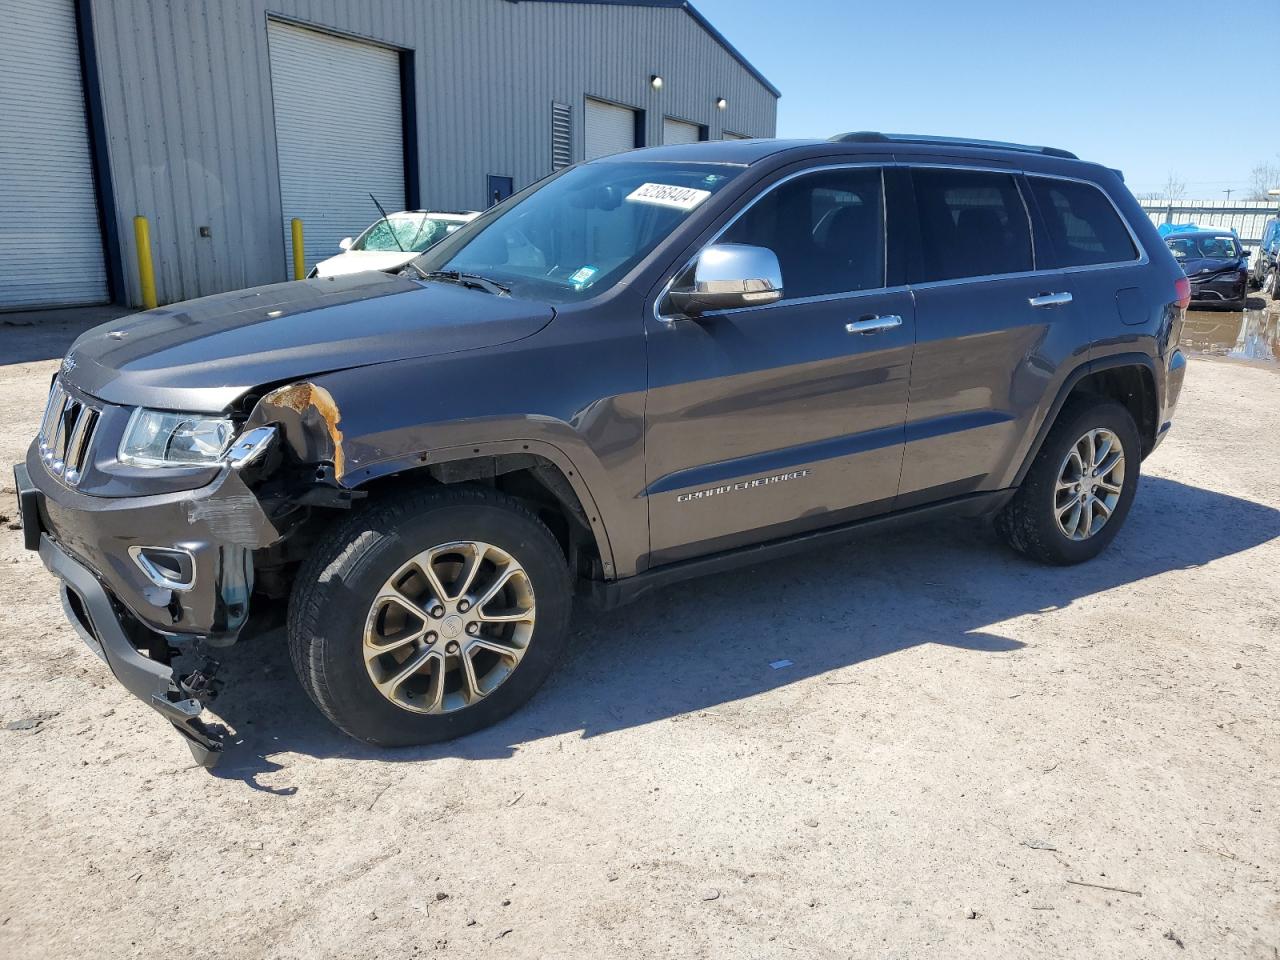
(191, 138)
(1245, 217)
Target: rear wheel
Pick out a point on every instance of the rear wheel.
(1078, 491)
(430, 617)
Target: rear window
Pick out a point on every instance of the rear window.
(972, 224)
(1084, 228)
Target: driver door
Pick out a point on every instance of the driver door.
(767, 421)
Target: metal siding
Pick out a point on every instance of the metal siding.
(191, 135)
(50, 240)
(1248, 218)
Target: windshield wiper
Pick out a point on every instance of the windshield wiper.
(387, 221)
(472, 280)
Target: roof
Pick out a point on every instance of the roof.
(747, 152)
(698, 18)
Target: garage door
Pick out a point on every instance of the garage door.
(610, 129)
(339, 135)
(50, 240)
(680, 131)
(734, 136)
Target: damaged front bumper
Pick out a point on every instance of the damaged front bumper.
(137, 625)
(90, 609)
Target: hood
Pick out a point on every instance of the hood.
(354, 261)
(1195, 267)
(203, 354)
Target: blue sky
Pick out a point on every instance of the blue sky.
(1113, 82)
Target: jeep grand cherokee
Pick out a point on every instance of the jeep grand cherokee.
(647, 367)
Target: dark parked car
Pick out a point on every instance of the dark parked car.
(652, 366)
(1265, 265)
(1216, 265)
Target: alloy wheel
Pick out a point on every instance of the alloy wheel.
(449, 627)
(1089, 484)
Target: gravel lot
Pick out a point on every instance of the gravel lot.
(969, 756)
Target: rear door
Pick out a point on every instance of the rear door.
(1087, 239)
(772, 420)
(993, 333)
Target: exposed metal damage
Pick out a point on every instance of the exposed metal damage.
(310, 420)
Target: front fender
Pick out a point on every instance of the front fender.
(374, 423)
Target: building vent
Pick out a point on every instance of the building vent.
(561, 136)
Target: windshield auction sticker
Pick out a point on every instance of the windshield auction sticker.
(665, 195)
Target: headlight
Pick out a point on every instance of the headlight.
(159, 438)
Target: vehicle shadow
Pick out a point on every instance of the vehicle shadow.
(714, 641)
(32, 336)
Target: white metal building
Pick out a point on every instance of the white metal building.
(220, 122)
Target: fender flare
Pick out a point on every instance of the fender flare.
(1085, 369)
(494, 448)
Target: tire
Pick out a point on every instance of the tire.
(1272, 285)
(333, 618)
(1029, 523)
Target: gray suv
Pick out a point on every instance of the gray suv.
(649, 367)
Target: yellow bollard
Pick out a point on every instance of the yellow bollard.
(299, 255)
(146, 272)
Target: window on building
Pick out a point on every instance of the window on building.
(827, 229)
(972, 224)
(1083, 226)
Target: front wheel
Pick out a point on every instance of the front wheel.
(1078, 491)
(430, 616)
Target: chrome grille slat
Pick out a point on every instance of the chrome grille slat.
(78, 445)
(57, 397)
(66, 434)
(58, 442)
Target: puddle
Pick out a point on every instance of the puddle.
(1253, 335)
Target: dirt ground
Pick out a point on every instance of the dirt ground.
(968, 756)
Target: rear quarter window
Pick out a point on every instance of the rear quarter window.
(1084, 227)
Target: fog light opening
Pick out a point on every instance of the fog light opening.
(169, 567)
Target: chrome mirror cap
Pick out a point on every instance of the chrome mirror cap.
(728, 276)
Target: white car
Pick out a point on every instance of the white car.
(388, 244)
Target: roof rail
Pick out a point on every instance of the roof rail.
(872, 136)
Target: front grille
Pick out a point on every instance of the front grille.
(66, 434)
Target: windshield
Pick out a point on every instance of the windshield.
(415, 231)
(1195, 248)
(580, 233)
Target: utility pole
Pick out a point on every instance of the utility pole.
(1228, 192)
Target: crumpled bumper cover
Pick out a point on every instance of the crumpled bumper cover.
(91, 612)
(132, 624)
(219, 524)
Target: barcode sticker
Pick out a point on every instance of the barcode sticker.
(666, 195)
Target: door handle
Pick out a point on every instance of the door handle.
(1050, 299)
(874, 324)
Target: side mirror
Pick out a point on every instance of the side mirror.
(727, 276)
(345, 244)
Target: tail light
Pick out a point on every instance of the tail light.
(1182, 292)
